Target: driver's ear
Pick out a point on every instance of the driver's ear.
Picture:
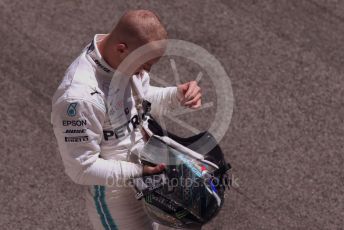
(121, 47)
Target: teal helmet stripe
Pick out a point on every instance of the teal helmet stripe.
(102, 209)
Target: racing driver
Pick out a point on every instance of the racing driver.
(96, 140)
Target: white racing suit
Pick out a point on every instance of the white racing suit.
(95, 139)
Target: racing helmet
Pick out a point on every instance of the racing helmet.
(190, 191)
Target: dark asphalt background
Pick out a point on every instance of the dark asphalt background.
(285, 141)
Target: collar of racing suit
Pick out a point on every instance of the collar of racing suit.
(92, 52)
(98, 61)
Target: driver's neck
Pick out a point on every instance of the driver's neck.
(106, 53)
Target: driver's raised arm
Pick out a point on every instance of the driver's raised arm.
(163, 99)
